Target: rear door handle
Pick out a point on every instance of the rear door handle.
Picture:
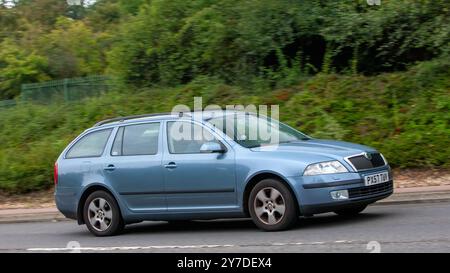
(110, 167)
(171, 165)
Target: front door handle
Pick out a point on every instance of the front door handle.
(110, 167)
(171, 165)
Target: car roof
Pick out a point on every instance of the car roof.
(194, 115)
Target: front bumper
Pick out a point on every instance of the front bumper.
(344, 204)
(313, 193)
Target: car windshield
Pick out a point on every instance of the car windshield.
(250, 130)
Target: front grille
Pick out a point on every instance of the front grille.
(369, 190)
(362, 163)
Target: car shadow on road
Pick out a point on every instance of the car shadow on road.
(319, 221)
(188, 226)
(331, 220)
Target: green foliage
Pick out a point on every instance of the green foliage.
(404, 115)
(104, 15)
(170, 42)
(72, 50)
(17, 67)
(388, 37)
(173, 42)
(313, 58)
(41, 12)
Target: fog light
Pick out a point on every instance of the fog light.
(339, 195)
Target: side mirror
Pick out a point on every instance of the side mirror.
(212, 147)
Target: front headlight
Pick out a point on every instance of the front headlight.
(325, 168)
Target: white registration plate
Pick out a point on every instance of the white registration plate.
(374, 179)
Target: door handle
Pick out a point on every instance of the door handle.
(171, 165)
(110, 167)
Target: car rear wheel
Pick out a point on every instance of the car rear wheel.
(272, 206)
(351, 211)
(102, 214)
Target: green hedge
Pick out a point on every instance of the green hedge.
(405, 115)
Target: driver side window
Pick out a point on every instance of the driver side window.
(187, 138)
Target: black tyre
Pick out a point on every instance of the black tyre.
(272, 206)
(102, 214)
(351, 211)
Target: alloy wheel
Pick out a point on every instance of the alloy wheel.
(100, 214)
(269, 206)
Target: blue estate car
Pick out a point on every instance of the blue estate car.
(131, 169)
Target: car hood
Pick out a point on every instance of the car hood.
(329, 148)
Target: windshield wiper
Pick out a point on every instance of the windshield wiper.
(254, 146)
(281, 142)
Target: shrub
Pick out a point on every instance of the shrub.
(403, 114)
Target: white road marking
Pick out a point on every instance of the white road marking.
(121, 248)
(342, 241)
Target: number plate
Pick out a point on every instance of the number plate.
(374, 179)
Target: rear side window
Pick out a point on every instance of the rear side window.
(141, 139)
(90, 145)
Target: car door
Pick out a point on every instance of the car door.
(133, 167)
(194, 180)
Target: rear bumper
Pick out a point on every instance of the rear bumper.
(66, 202)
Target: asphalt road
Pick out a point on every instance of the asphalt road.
(385, 228)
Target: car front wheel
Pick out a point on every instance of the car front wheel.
(102, 215)
(272, 206)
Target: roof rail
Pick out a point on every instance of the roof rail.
(121, 119)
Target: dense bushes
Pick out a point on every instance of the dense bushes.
(377, 75)
(403, 114)
(171, 42)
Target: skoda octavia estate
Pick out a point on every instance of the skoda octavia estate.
(186, 166)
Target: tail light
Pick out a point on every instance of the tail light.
(55, 174)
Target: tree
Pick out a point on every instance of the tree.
(17, 67)
(72, 49)
(43, 12)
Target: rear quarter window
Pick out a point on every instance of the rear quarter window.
(90, 145)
